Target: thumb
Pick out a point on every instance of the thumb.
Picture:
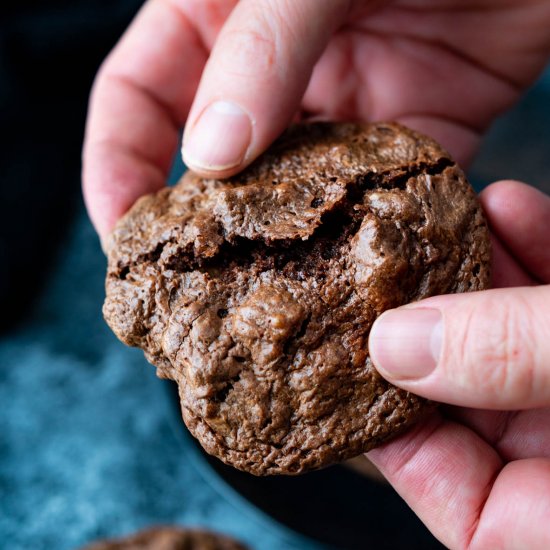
(254, 80)
(486, 349)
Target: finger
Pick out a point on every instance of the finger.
(520, 216)
(353, 79)
(518, 508)
(505, 270)
(458, 486)
(514, 434)
(374, 75)
(139, 101)
(444, 472)
(486, 349)
(254, 80)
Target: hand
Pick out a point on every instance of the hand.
(478, 473)
(445, 67)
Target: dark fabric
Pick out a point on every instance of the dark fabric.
(49, 53)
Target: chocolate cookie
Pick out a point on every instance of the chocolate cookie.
(256, 294)
(169, 538)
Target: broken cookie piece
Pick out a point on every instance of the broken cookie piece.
(256, 294)
(169, 538)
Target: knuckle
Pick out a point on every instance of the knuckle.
(499, 354)
(263, 43)
(250, 51)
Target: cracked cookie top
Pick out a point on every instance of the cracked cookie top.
(256, 294)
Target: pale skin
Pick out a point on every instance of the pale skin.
(478, 473)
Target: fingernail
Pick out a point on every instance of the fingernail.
(219, 139)
(406, 343)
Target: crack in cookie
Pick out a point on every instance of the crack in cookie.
(256, 294)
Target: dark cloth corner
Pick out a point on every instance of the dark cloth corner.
(49, 54)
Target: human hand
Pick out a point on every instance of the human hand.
(446, 68)
(479, 478)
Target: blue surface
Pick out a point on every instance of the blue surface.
(86, 448)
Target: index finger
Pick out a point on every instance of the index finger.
(459, 487)
(520, 217)
(139, 101)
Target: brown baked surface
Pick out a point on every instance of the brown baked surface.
(169, 538)
(256, 294)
